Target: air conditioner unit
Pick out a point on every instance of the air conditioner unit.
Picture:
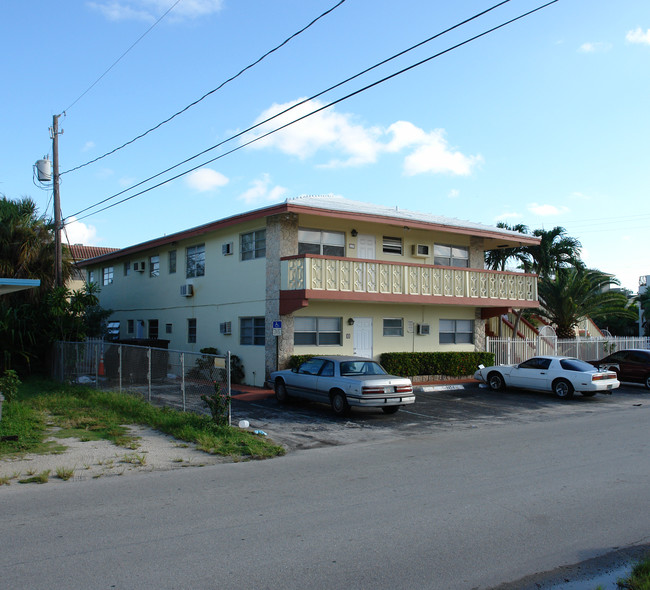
(139, 266)
(420, 250)
(227, 249)
(424, 329)
(225, 328)
(187, 290)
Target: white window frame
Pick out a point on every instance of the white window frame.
(397, 329)
(195, 261)
(108, 273)
(318, 330)
(256, 248)
(448, 255)
(252, 331)
(449, 333)
(392, 245)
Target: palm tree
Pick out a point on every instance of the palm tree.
(27, 244)
(643, 299)
(556, 250)
(575, 293)
(498, 259)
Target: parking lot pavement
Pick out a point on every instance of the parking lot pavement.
(304, 425)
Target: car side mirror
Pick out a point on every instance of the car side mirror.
(294, 369)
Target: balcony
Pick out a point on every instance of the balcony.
(351, 279)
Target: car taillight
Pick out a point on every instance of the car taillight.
(372, 390)
(603, 376)
(404, 389)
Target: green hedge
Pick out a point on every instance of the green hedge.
(411, 364)
(450, 364)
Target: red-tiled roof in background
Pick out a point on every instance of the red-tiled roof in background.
(80, 252)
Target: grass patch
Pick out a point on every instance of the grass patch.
(87, 414)
(639, 579)
(42, 477)
(64, 473)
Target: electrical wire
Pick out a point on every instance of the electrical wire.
(315, 111)
(189, 106)
(121, 56)
(300, 103)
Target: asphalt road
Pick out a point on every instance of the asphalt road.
(469, 502)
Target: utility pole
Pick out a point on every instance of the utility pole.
(58, 255)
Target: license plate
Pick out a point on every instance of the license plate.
(389, 389)
(610, 386)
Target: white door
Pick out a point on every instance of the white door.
(366, 247)
(362, 335)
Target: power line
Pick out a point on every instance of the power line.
(120, 58)
(315, 111)
(306, 100)
(189, 106)
(322, 108)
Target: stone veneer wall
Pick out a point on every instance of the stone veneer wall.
(477, 260)
(281, 240)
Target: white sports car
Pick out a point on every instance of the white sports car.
(560, 374)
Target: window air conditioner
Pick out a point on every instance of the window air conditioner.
(420, 250)
(225, 328)
(424, 329)
(138, 266)
(187, 290)
(227, 249)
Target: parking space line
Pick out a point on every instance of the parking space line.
(417, 414)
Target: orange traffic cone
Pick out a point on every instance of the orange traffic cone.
(100, 370)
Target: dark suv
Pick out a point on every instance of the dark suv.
(630, 365)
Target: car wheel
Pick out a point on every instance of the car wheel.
(563, 389)
(390, 409)
(495, 381)
(339, 403)
(646, 382)
(281, 392)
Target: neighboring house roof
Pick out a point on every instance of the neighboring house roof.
(80, 252)
(11, 285)
(334, 206)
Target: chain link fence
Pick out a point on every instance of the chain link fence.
(172, 378)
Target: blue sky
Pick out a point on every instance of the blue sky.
(544, 122)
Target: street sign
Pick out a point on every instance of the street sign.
(277, 328)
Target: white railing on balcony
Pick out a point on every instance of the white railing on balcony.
(381, 277)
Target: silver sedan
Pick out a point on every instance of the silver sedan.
(342, 382)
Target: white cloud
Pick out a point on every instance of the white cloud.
(595, 47)
(77, 232)
(324, 130)
(262, 191)
(546, 210)
(431, 152)
(638, 36)
(357, 145)
(580, 196)
(89, 145)
(205, 179)
(151, 10)
(453, 194)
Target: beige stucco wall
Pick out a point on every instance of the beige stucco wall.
(411, 314)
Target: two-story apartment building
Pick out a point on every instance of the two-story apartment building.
(322, 275)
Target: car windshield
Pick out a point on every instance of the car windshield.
(576, 365)
(361, 368)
